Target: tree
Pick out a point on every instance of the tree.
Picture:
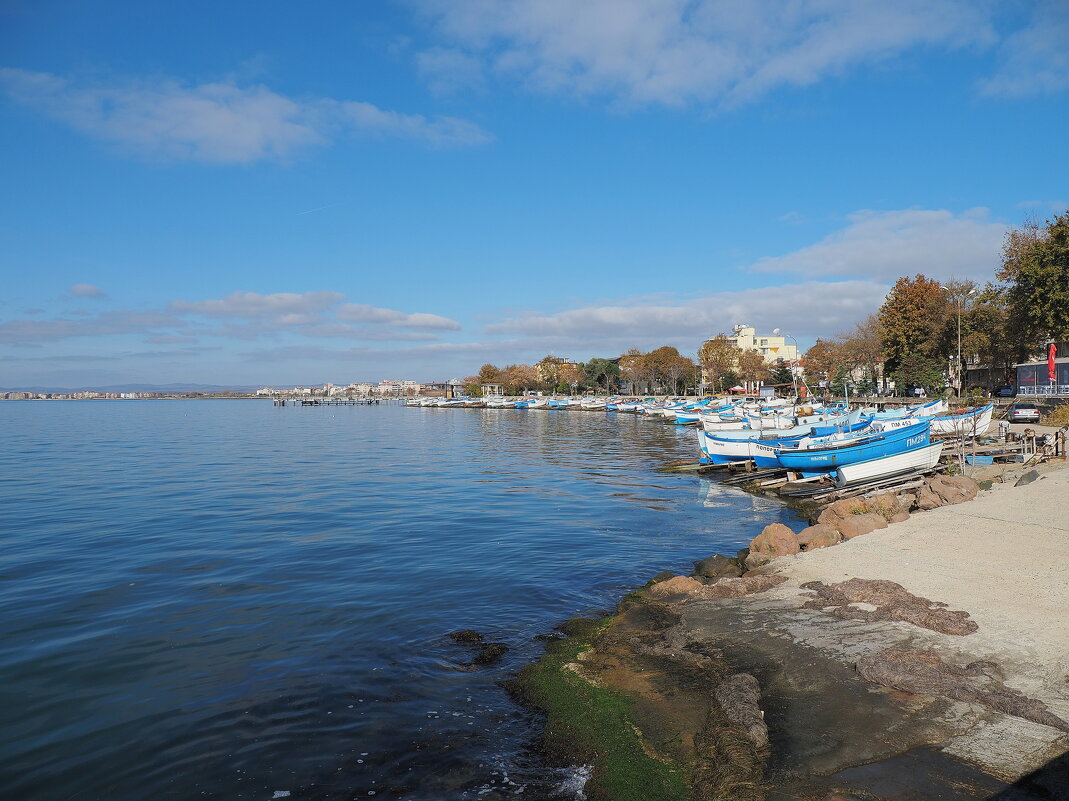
(862, 348)
(823, 360)
(488, 374)
(1035, 267)
(667, 366)
(602, 371)
(549, 370)
(984, 334)
(519, 378)
(473, 386)
(781, 374)
(752, 368)
(911, 323)
(718, 358)
(917, 370)
(635, 369)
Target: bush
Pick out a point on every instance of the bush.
(1059, 417)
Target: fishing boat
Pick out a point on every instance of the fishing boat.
(828, 456)
(761, 446)
(972, 422)
(825, 424)
(919, 459)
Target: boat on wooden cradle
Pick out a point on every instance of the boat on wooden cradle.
(828, 456)
(969, 423)
(738, 446)
(915, 460)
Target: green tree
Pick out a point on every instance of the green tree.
(602, 372)
(1035, 268)
(781, 374)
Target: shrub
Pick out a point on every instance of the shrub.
(1059, 417)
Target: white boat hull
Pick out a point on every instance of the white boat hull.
(923, 458)
(967, 424)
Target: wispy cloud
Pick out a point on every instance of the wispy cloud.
(221, 122)
(810, 309)
(354, 312)
(255, 305)
(87, 291)
(680, 51)
(885, 244)
(240, 316)
(27, 331)
(1035, 59)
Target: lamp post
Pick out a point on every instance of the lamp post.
(794, 378)
(958, 297)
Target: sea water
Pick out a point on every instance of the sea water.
(227, 599)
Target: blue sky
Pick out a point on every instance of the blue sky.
(270, 193)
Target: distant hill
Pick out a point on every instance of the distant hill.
(141, 388)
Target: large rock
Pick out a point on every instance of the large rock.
(819, 536)
(775, 540)
(954, 489)
(927, 499)
(756, 560)
(856, 525)
(835, 513)
(680, 585)
(717, 566)
(684, 588)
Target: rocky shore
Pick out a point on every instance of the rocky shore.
(903, 646)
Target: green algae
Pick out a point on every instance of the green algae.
(593, 725)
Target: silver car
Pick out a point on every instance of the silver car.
(1023, 413)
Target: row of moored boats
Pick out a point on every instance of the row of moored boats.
(855, 446)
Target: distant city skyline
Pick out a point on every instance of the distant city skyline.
(240, 193)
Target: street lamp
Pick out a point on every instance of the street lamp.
(794, 378)
(958, 296)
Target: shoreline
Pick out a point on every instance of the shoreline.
(796, 682)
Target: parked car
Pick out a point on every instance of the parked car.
(1023, 412)
(1005, 392)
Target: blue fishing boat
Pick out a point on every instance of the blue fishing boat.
(723, 449)
(828, 456)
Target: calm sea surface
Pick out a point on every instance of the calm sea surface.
(224, 599)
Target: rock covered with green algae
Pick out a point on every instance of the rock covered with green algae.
(654, 717)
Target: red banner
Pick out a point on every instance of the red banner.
(1052, 372)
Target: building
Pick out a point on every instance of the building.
(1033, 377)
(773, 348)
(490, 390)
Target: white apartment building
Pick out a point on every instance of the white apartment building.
(773, 348)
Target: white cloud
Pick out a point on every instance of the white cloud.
(359, 313)
(241, 316)
(679, 51)
(1035, 59)
(87, 291)
(218, 122)
(805, 310)
(253, 305)
(888, 244)
(28, 332)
